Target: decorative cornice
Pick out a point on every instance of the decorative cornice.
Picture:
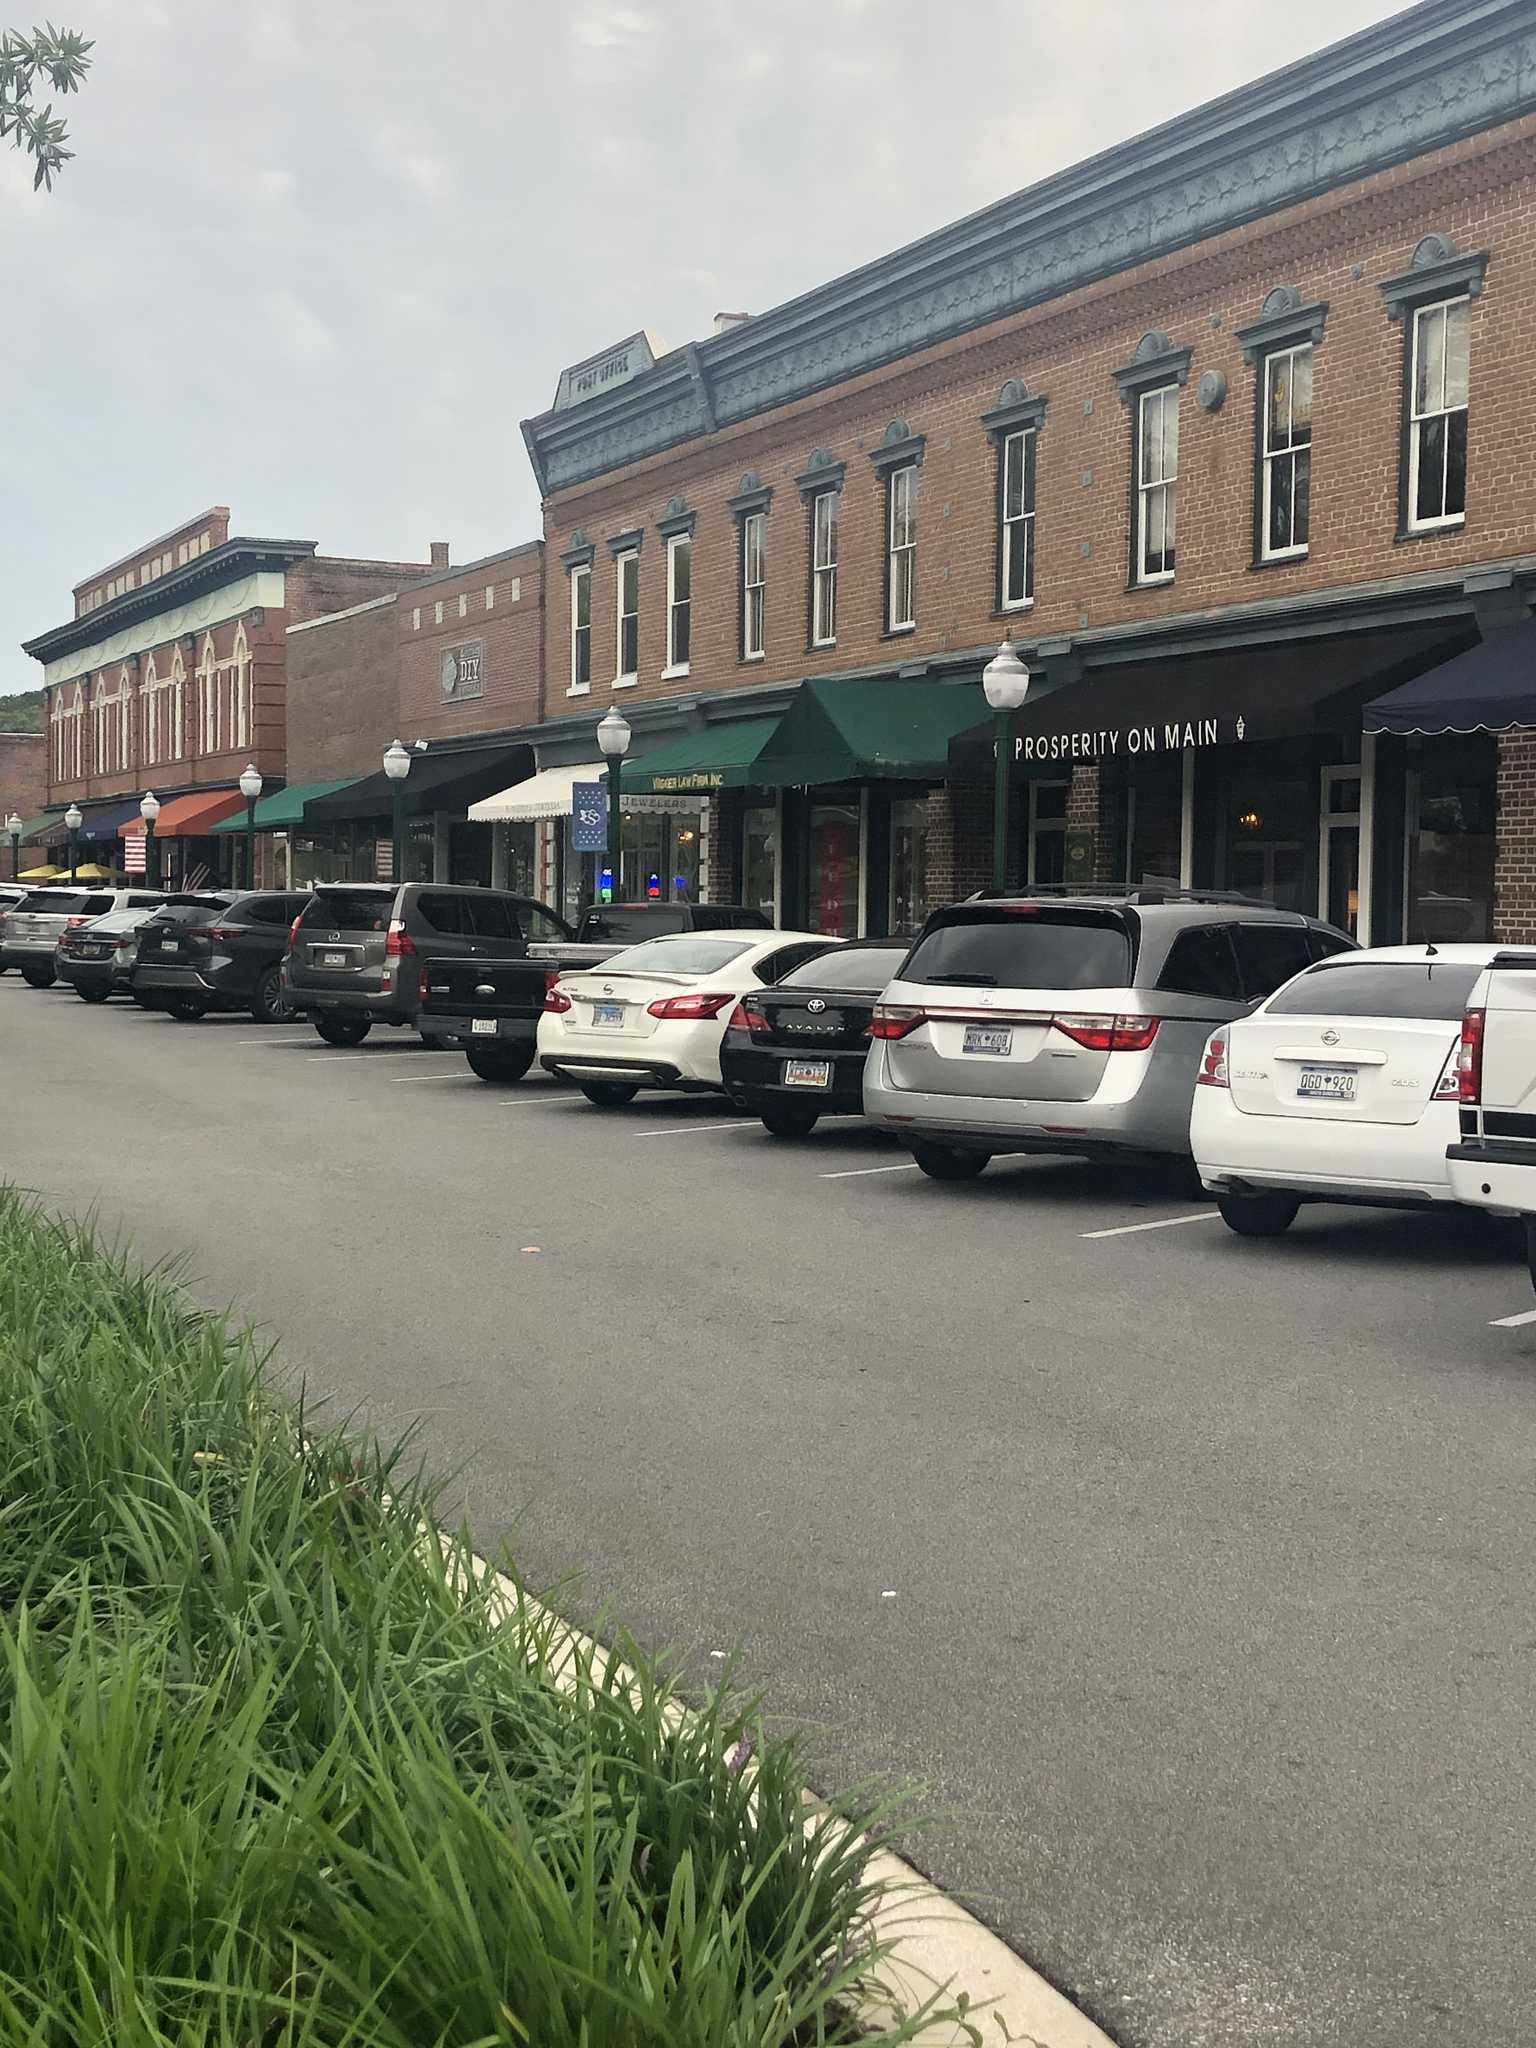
(821, 474)
(750, 495)
(1436, 270)
(1283, 322)
(232, 563)
(675, 520)
(1156, 361)
(900, 449)
(626, 543)
(579, 554)
(1443, 70)
(1015, 408)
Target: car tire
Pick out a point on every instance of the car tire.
(499, 1062)
(948, 1162)
(609, 1094)
(1530, 1247)
(89, 993)
(38, 977)
(435, 1042)
(790, 1120)
(1258, 1215)
(343, 1031)
(187, 1009)
(270, 1002)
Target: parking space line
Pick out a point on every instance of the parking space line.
(859, 1172)
(1162, 1223)
(683, 1130)
(1513, 1322)
(403, 1080)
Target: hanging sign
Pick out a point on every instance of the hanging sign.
(589, 817)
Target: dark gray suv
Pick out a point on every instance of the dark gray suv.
(356, 950)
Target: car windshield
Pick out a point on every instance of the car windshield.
(342, 910)
(865, 969)
(1433, 989)
(1024, 949)
(685, 953)
(635, 921)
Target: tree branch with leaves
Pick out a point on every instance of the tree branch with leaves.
(59, 55)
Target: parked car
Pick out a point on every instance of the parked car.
(1342, 1087)
(97, 958)
(1039, 1024)
(1492, 1164)
(607, 928)
(653, 1015)
(356, 949)
(795, 1052)
(33, 927)
(11, 893)
(229, 960)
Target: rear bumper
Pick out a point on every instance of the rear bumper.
(509, 1030)
(1494, 1175)
(173, 980)
(1124, 1129)
(645, 1073)
(393, 1008)
(90, 973)
(755, 1079)
(1391, 1165)
(25, 952)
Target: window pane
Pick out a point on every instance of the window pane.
(1013, 477)
(1430, 502)
(826, 530)
(1281, 475)
(901, 588)
(1301, 396)
(1455, 462)
(1458, 341)
(584, 598)
(1396, 988)
(753, 533)
(1202, 963)
(630, 575)
(1301, 496)
(1429, 374)
(681, 571)
(488, 918)
(1270, 954)
(1279, 420)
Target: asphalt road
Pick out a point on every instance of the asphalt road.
(1198, 1574)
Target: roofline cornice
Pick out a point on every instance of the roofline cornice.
(1443, 71)
(221, 565)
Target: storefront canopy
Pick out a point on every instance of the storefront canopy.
(186, 817)
(32, 829)
(545, 795)
(851, 728)
(1198, 700)
(720, 757)
(452, 780)
(1488, 689)
(284, 807)
(101, 821)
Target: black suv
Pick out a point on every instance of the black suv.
(356, 950)
(230, 958)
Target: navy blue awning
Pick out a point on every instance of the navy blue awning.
(1488, 689)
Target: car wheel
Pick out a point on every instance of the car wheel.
(343, 1030)
(948, 1162)
(270, 1001)
(1530, 1247)
(187, 1009)
(499, 1062)
(609, 1094)
(1258, 1215)
(91, 992)
(38, 977)
(790, 1120)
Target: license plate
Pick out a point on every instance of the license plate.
(483, 1027)
(807, 1073)
(608, 1016)
(170, 945)
(993, 1038)
(1334, 1084)
(333, 959)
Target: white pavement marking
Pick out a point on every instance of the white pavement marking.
(404, 1080)
(858, 1172)
(1163, 1223)
(682, 1130)
(1513, 1322)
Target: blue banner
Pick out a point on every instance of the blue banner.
(589, 817)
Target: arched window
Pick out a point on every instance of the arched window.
(241, 717)
(101, 742)
(176, 698)
(124, 719)
(150, 694)
(210, 721)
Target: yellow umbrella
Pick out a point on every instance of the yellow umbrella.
(39, 874)
(91, 871)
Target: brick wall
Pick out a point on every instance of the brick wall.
(334, 583)
(343, 694)
(1514, 874)
(959, 859)
(23, 776)
(495, 606)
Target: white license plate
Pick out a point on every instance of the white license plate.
(483, 1027)
(333, 959)
(170, 945)
(807, 1073)
(993, 1038)
(1333, 1084)
(607, 1016)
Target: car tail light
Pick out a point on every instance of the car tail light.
(211, 931)
(892, 1020)
(556, 999)
(1109, 1034)
(744, 1019)
(71, 922)
(1469, 1059)
(293, 931)
(694, 1006)
(1213, 1065)
(398, 943)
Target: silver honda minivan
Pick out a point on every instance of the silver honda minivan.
(1043, 1024)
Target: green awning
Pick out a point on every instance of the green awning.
(283, 808)
(854, 728)
(721, 757)
(41, 822)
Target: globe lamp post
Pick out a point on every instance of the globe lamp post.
(1005, 680)
(149, 810)
(74, 818)
(613, 737)
(397, 765)
(250, 789)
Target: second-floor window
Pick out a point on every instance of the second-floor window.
(1437, 423)
(629, 617)
(754, 585)
(824, 510)
(1287, 452)
(581, 629)
(1018, 520)
(679, 601)
(1157, 483)
(901, 564)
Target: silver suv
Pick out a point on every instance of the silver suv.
(1038, 1024)
(33, 928)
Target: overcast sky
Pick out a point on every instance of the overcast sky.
(316, 261)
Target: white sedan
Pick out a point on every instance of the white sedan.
(654, 1015)
(1341, 1087)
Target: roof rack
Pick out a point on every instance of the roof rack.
(1125, 892)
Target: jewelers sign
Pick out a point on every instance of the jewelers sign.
(1166, 736)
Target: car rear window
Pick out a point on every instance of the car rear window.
(681, 953)
(1024, 949)
(340, 911)
(264, 910)
(1435, 989)
(616, 922)
(729, 917)
(863, 968)
(56, 902)
(121, 921)
(539, 926)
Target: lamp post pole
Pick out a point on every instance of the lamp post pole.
(13, 826)
(250, 789)
(397, 765)
(149, 810)
(74, 818)
(613, 737)
(1005, 680)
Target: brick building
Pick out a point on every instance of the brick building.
(23, 784)
(1231, 428)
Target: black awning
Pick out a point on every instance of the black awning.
(1237, 695)
(437, 782)
(1488, 689)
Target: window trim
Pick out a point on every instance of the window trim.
(1437, 273)
(752, 499)
(1155, 363)
(893, 625)
(833, 495)
(579, 686)
(676, 541)
(822, 477)
(1141, 495)
(1285, 322)
(625, 678)
(1025, 518)
(1017, 411)
(1263, 553)
(1410, 526)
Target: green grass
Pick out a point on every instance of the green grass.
(270, 1775)
(22, 712)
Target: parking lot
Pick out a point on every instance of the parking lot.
(1192, 1574)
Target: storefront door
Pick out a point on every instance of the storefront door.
(760, 859)
(1339, 850)
(909, 865)
(834, 869)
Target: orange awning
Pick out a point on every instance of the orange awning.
(189, 816)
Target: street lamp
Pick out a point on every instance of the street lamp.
(397, 765)
(13, 826)
(613, 737)
(1006, 682)
(74, 818)
(250, 789)
(149, 810)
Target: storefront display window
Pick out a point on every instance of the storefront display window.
(1047, 831)
(1154, 823)
(909, 865)
(1452, 840)
(760, 859)
(834, 869)
(1268, 825)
